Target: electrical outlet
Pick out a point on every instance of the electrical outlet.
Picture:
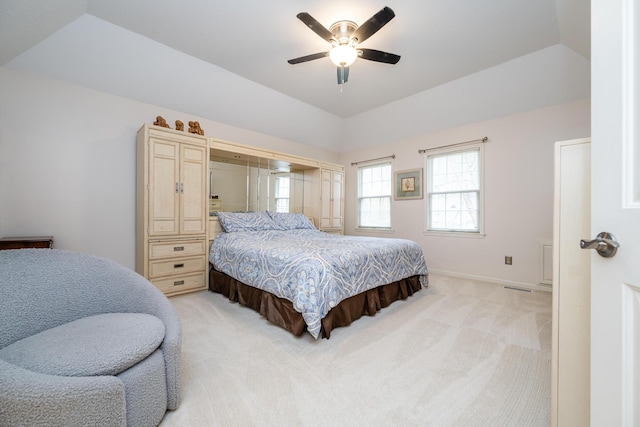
(508, 260)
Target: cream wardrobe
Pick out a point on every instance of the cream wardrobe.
(172, 212)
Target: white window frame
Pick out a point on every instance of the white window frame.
(480, 233)
(360, 198)
(277, 192)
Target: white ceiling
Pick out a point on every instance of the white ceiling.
(438, 40)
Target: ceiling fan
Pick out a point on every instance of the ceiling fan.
(345, 36)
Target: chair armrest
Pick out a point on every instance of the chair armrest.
(171, 349)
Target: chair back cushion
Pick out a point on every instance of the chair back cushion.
(44, 288)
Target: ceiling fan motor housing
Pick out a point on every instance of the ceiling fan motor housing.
(342, 31)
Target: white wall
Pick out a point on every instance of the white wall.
(94, 53)
(518, 192)
(548, 77)
(67, 162)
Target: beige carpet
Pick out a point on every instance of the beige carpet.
(460, 353)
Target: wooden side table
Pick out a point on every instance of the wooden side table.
(45, 242)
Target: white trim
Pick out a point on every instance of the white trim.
(630, 107)
(481, 208)
(630, 351)
(521, 285)
(368, 165)
(374, 230)
(465, 234)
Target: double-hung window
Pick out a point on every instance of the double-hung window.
(282, 193)
(454, 191)
(374, 196)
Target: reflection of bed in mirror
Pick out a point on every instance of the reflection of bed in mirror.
(250, 179)
(243, 183)
(301, 279)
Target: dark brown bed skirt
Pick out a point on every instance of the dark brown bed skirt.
(280, 311)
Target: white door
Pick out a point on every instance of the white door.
(615, 208)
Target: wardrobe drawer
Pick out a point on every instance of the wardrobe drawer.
(180, 284)
(181, 248)
(176, 266)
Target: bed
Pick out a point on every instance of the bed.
(301, 278)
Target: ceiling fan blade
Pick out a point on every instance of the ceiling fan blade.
(379, 56)
(315, 26)
(374, 23)
(343, 75)
(308, 58)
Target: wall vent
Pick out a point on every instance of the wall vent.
(546, 264)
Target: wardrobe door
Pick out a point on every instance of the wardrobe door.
(193, 193)
(164, 184)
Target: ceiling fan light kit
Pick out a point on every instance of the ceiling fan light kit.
(343, 55)
(344, 37)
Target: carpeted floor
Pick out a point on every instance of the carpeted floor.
(460, 353)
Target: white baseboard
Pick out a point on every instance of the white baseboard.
(510, 283)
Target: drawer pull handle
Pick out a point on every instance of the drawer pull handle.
(178, 283)
(178, 248)
(178, 265)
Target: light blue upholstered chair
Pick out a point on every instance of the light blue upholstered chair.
(83, 342)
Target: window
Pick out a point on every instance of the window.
(282, 193)
(454, 185)
(374, 196)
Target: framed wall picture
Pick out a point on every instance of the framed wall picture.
(408, 184)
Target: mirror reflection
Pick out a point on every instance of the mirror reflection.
(241, 183)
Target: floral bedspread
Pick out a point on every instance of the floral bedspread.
(315, 270)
